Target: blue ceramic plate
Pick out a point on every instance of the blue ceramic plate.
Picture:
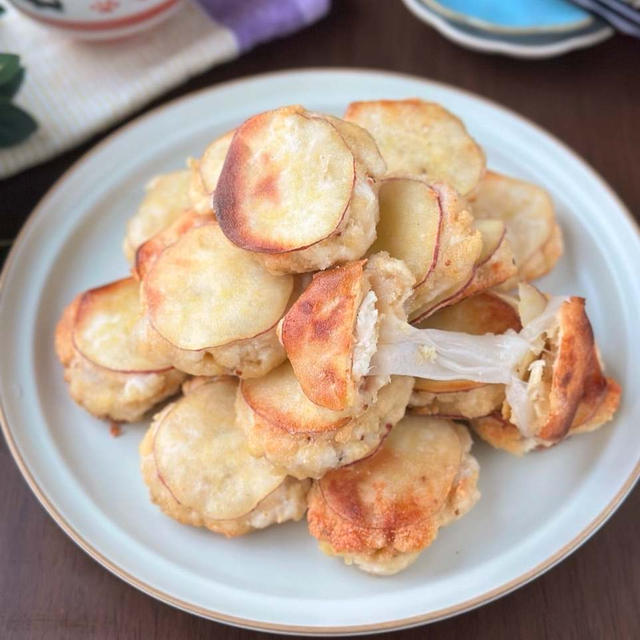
(521, 44)
(513, 16)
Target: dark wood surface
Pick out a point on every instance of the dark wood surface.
(590, 99)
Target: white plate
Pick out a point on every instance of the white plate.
(533, 512)
(534, 46)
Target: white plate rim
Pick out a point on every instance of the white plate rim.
(488, 45)
(492, 594)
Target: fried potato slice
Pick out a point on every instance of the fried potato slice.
(199, 198)
(486, 312)
(541, 262)
(495, 266)
(167, 196)
(564, 381)
(212, 161)
(409, 226)
(104, 324)
(361, 144)
(318, 334)
(286, 502)
(496, 263)
(203, 459)
(279, 400)
(328, 338)
(204, 292)
(501, 434)
(304, 439)
(557, 378)
(482, 313)
(599, 401)
(459, 248)
(597, 406)
(422, 138)
(294, 190)
(148, 252)
(529, 214)
(286, 183)
(380, 512)
(107, 372)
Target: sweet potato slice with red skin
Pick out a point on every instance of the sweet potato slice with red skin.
(328, 307)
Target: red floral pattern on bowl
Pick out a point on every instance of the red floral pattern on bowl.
(98, 19)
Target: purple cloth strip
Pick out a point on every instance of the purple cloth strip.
(255, 21)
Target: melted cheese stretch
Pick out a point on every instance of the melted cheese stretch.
(451, 355)
(365, 335)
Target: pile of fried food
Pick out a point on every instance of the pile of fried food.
(338, 302)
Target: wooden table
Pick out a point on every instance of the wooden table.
(590, 99)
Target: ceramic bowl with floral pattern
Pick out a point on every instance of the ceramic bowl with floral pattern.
(98, 19)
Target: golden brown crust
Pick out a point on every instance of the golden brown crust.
(396, 499)
(166, 197)
(318, 334)
(305, 440)
(277, 402)
(597, 407)
(343, 536)
(603, 412)
(572, 361)
(594, 390)
(485, 312)
(599, 400)
(64, 332)
(465, 404)
(247, 178)
(106, 392)
(147, 253)
(287, 502)
(422, 138)
(501, 434)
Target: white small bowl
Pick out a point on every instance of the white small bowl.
(98, 19)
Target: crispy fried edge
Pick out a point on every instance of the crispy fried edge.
(228, 210)
(319, 328)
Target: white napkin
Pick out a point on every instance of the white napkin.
(75, 89)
